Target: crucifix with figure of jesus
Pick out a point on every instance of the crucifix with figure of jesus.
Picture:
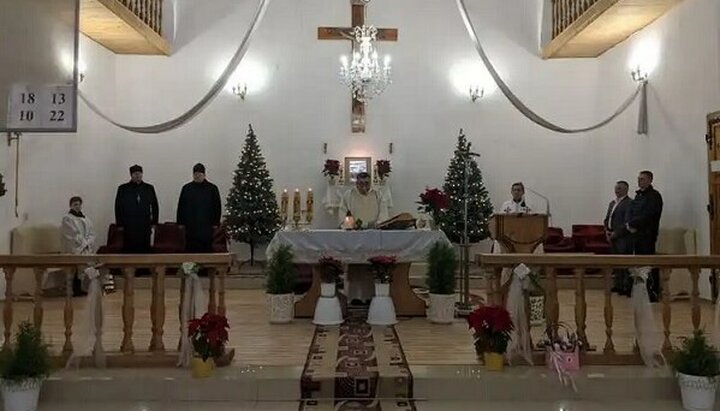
(346, 33)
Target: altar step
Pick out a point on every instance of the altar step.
(431, 383)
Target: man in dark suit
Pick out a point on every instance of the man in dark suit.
(136, 211)
(618, 235)
(644, 224)
(199, 210)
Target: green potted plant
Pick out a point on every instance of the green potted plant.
(442, 265)
(23, 368)
(697, 367)
(281, 274)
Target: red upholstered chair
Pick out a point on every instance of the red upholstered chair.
(597, 244)
(169, 239)
(220, 240)
(590, 238)
(114, 241)
(556, 242)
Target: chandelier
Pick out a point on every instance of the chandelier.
(364, 75)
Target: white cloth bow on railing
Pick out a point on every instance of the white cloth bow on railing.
(94, 316)
(520, 344)
(194, 305)
(647, 335)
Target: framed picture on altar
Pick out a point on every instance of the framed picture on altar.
(357, 165)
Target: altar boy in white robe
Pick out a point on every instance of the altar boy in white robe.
(78, 237)
(517, 205)
(368, 205)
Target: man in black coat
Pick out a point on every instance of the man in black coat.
(136, 211)
(618, 235)
(199, 210)
(644, 223)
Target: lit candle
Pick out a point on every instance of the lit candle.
(309, 201)
(296, 204)
(284, 198)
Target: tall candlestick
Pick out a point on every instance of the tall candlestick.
(296, 205)
(309, 202)
(284, 199)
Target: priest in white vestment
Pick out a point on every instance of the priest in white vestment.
(517, 205)
(369, 206)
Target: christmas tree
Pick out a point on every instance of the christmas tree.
(480, 208)
(252, 210)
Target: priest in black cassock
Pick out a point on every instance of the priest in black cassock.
(199, 210)
(136, 211)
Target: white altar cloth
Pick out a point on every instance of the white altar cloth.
(355, 247)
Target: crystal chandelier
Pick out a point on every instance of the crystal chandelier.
(364, 75)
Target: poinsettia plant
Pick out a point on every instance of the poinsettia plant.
(331, 168)
(382, 266)
(330, 269)
(491, 327)
(209, 335)
(434, 202)
(383, 168)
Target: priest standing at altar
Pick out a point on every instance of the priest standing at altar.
(364, 203)
(199, 210)
(517, 205)
(368, 205)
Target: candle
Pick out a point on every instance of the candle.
(309, 202)
(284, 198)
(296, 204)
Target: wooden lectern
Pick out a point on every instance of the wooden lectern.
(519, 233)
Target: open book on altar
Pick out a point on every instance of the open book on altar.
(402, 221)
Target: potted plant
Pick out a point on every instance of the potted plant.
(433, 202)
(208, 335)
(331, 170)
(281, 275)
(697, 367)
(327, 309)
(383, 169)
(382, 309)
(536, 297)
(23, 368)
(491, 327)
(442, 264)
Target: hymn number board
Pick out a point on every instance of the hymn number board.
(41, 108)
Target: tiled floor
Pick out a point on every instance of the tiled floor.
(422, 406)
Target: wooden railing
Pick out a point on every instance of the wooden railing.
(548, 264)
(149, 11)
(158, 264)
(566, 12)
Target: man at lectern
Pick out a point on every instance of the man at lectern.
(517, 205)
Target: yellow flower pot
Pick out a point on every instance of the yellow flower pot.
(202, 369)
(493, 361)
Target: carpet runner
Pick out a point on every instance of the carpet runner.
(356, 367)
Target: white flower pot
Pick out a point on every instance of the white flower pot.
(537, 310)
(282, 308)
(442, 308)
(21, 397)
(382, 309)
(698, 393)
(327, 309)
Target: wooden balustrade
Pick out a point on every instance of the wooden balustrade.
(566, 12)
(493, 264)
(159, 264)
(149, 11)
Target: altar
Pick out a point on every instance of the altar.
(354, 248)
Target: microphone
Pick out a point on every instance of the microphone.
(547, 203)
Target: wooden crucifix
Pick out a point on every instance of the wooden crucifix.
(346, 33)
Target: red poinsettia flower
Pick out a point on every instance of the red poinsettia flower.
(383, 168)
(331, 168)
(383, 265)
(433, 201)
(492, 326)
(208, 335)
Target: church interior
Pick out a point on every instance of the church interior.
(359, 205)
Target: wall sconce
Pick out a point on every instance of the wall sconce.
(639, 75)
(240, 90)
(476, 93)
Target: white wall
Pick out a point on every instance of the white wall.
(303, 106)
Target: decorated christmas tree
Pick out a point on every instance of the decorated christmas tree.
(480, 208)
(252, 211)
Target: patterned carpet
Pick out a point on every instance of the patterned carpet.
(358, 367)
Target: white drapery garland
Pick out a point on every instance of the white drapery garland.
(194, 305)
(207, 99)
(94, 315)
(536, 118)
